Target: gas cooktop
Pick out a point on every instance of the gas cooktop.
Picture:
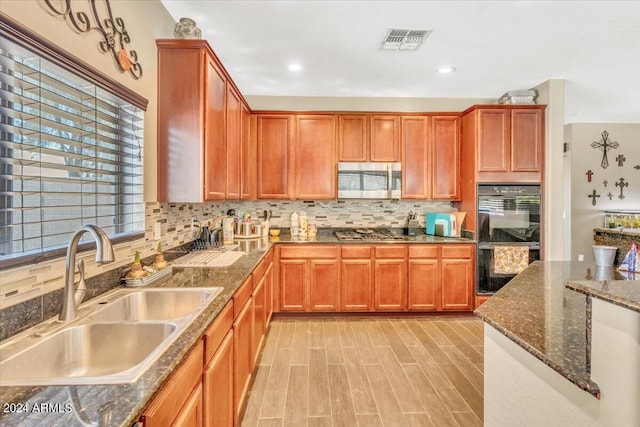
(368, 234)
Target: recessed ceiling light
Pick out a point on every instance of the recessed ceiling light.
(446, 69)
(294, 66)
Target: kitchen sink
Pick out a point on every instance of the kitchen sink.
(114, 339)
(96, 353)
(155, 304)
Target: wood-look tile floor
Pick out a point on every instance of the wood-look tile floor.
(368, 373)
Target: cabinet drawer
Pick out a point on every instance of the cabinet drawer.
(423, 251)
(356, 251)
(242, 295)
(217, 331)
(390, 251)
(457, 251)
(176, 391)
(297, 251)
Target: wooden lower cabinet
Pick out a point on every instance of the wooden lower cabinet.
(243, 359)
(218, 386)
(191, 413)
(357, 284)
(259, 317)
(456, 292)
(177, 392)
(423, 284)
(269, 292)
(324, 285)
(389, 285)
(293, 276)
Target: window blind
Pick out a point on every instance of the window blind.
(70, 154)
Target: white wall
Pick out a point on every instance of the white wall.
(584, 216)
(551, 93)
(145, 21)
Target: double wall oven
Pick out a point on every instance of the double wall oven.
(508, 215)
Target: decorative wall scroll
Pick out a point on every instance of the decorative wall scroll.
(604, 145)
(114, 36)
(593, 197)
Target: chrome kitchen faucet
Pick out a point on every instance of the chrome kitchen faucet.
(104, 254)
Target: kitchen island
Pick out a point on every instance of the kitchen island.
(562, 349)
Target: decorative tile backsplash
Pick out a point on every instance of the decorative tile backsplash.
(33, 281)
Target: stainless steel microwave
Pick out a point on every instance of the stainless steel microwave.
(369, 180)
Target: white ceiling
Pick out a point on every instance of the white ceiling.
(496, 46)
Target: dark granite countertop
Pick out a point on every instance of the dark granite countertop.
(326, 235)
(537, 312)
(633, 233)
(541, 311)
(121, 404)
(625, 293)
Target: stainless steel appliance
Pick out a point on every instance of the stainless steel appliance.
(508, 215)
(368, 235)
(369, 180)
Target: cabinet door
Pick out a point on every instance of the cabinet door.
(175, 393)
(424, 284)
(215, 159)
(259, 317)
(389, 284)
(356, 285)
(416, 161)
(191, 413)
(274, 165)
(526, 140)
(218, 386)
(315, 155)
(352, 138)
(446, 157)
(242, 354)
(293, 278)
(457, 284)
(494, 140)
(324, 285)
(384, 142)
(234, 128)
(245, 137)
(269, 293)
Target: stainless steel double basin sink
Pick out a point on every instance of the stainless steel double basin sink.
(114, 340)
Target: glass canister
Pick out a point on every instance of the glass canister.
(312, 228)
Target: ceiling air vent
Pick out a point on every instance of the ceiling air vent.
(397, 39)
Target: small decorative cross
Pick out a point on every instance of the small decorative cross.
(610, 196)
(605, 144)
(589, 175)
(605, 182)
(636, 167)
(593, 197)
(621, 159)
(622, 184)
(588, 276)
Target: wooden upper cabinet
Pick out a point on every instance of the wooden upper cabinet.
(353, 138)
(315, 154)
(509, 143)
(416, 158)
(384, 142)
(191, 123)
(494, 141)
(274, 160)
(526, 140)
(245, 155)
(234, 149)
(445, 165)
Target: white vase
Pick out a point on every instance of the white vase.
(186, 29)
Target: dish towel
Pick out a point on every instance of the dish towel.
(510, 259)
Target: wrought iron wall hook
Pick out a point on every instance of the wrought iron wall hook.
(114, 36)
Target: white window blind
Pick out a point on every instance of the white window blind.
(70, 154)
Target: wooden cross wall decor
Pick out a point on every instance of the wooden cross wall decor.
(589, 174)
(604, 145)
(622, 184)
(605, 182)
(620, 159)
(593, 197)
